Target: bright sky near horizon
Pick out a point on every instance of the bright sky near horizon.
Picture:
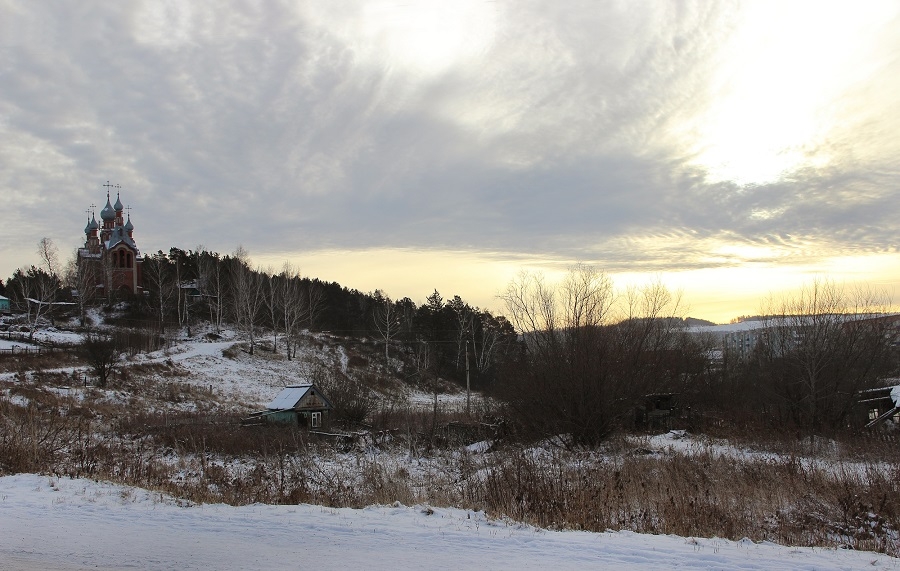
(731, 149)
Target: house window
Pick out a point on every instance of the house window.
(316, 420)
(873, 413)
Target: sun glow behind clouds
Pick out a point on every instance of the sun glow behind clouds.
(716, 293)
(426, 37)
(778, 93)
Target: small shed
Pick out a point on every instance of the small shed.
(658, 411)
(301, 405)
(881, 406)
(4, 304)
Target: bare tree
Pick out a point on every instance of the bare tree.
(492, 333)
(34, 290)
(161, 282)
(821, 347)
(49, 255)
(247, 294)
(422, 358)
(82, 279)
(271, 290)
(211, 283)
(387, 320)
(465, 320)
(316, 303)
(293, 305)
(101, 354)
(582, 373)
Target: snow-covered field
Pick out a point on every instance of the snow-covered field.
(50, 523)
(81, 524)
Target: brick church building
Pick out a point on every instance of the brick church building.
(110, 259)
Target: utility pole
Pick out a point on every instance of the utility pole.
(468, 391)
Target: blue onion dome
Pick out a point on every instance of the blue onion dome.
(128, 225)
(87, 228)
(118, 205)
(108, 213)
(94, 224)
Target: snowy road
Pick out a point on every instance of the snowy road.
(81, 524)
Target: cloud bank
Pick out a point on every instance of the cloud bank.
(641, 137)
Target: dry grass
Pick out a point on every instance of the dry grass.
(782, 499)
(213, 459)
(37, 362)
(851, 497)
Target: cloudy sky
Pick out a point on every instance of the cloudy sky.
(730, 149)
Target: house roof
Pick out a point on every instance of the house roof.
(291, 395)
(118, 236)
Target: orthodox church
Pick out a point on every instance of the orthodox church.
(110, 259)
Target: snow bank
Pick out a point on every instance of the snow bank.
(80, 524)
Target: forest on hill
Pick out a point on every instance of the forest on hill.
(579, 357)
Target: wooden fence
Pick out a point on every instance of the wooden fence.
(26, 351)
(34, 347)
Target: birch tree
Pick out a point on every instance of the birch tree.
(211, 283)
(247, 294)
(83, 279)
(293, 305)
(160, 281)
(316, 302)
(387, 320)
(34, 290)
(271, 289)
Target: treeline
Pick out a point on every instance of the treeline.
(810, 361)
(182, 288)
(578, 357)
(591, 355)
(595, 360)
(439, 338)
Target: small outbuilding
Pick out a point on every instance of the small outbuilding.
(301, 405)
(4, 304)
(658, 411)
(881, 406)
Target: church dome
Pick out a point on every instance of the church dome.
(87, 228)
(128, 225)
(118, 206)
(108, 213)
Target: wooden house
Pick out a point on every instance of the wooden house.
(300, 405)
(4, 304)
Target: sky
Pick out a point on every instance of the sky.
(730, 150)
